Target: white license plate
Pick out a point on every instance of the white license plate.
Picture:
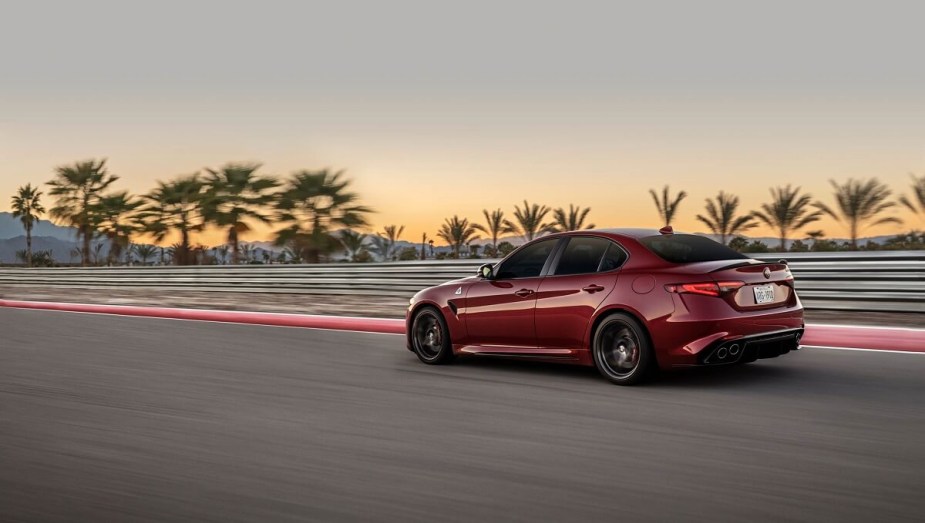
(764, 294)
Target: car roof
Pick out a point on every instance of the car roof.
(627, 232)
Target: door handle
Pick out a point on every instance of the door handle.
(523, 293)
(592, 288)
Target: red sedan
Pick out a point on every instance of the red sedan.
(627, 301)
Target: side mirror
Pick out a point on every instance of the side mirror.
(486, 271)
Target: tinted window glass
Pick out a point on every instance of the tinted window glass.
(614, 258)
(528, 261)
(687, 248)
(582, 255)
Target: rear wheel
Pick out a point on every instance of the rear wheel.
(430, 337)
(621, 349)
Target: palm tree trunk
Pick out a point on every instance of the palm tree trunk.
(233, 239)
(85, 255)
(783, 241)
(184, 247)
(854, 236)
(29, 246)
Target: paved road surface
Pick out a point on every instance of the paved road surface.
(129, 419)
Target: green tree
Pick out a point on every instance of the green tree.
(859, 203)
(78, 189)
(916, 202)
(721, 216)
(175, 206)
(529, 220)
(115, 218)
(667, 206)
(311, 205)
(573, 220)
(408, 254)
(789, 211)
(457, 232)
(353, 242)
(145, 252)
(235, 195)
(27, 206)
(504, 248)
(495, 225)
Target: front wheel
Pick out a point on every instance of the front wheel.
(430, 337)
(621, 349)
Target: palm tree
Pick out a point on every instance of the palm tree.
(458, 232)
(352, 242)
(391, 234)
(311, 205)
(97, 254)
(788, 212)
(233, 197)
(423, 246)
(495, 225)
(145, 252)
(248, 251)
(667, 206)
(175, 206)
(721, 216)
(859, 202)
(27, 206)
(78, 189)
(529, 220)
(221, 253)
(916, 203)
(116, 219)
(573, 220)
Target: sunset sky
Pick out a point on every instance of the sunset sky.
(436, 109)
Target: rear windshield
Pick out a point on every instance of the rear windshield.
(687, 248)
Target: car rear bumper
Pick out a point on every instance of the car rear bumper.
(695, 335)
(750, 348)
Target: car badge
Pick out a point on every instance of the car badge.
(767, 273)
(459, 290)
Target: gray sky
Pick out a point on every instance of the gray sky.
(519, 94)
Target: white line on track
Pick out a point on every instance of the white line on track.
(862, 350)
(872, 327)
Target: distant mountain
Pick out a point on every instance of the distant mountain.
(11, 228)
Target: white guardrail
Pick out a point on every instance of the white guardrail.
(873, 281)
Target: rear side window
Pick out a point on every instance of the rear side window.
(688, 248)
(582, 255)
(614, 258)
(528, 261)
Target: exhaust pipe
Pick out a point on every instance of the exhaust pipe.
(734, 349)
(721, 353)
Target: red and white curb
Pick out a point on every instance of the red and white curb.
(893, 339)
(346, 323)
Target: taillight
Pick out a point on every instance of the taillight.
(706, 288)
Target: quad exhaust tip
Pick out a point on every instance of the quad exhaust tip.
(734, 349)
(722, 353)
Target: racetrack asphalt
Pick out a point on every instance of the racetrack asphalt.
(106, 418)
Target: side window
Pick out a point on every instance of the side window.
(614, 258)
(528, 261)
(582, 255)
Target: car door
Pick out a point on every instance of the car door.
(499, 311)
(581, 277)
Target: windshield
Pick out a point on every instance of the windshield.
(688, 248)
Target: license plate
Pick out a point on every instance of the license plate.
(764, 294)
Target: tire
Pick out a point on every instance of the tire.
(622, 351)
(430, 337)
